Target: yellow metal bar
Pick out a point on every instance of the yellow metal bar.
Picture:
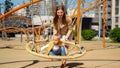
(53, 57)
(78, 22)
(104, 24)
(87, 9)
(17, 8)
(39, 30)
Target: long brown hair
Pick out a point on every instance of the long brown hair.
(55, 20)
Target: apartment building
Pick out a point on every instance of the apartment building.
(113, 14)
(99, 14)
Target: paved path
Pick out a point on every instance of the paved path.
(14, 55)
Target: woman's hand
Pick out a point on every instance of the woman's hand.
(64, 38)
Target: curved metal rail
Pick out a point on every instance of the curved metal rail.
(70, 56)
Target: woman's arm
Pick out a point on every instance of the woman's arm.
(69, 28)
(68, 34)
(54, 31)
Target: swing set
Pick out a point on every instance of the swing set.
(33, 45)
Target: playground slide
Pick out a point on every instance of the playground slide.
(17, 8)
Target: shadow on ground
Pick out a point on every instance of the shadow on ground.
(72, 65)
(68, 65)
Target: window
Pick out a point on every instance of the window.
(101, 14)
(116, 26)
(117, 2)
(109, 12)
(116, 11)
(101, 8)
(116, 19)
(109, 6)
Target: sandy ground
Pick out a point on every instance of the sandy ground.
(14, 55)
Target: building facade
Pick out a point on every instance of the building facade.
(113, 14)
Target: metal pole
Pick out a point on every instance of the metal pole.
(104, 24)
(21, 36)
(100, 22)
(0, 9)
(81, 21)
(4, 34)
(78, 22)
(33, 39)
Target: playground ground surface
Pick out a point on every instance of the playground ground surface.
(14, 55)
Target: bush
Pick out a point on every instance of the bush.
(88, 34)
(115, 35)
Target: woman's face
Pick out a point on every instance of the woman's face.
(60, 13)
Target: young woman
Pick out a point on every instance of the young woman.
(62, 24)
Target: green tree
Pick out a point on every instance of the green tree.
(88, 34)
(115, 35)
(8, 5)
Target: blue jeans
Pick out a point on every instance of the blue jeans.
(61, 51)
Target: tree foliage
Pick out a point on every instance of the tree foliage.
(115, 35)
(88, 34)
(8, 5)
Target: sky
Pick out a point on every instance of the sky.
(73, 4)
(17, 2)
(20, 1)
